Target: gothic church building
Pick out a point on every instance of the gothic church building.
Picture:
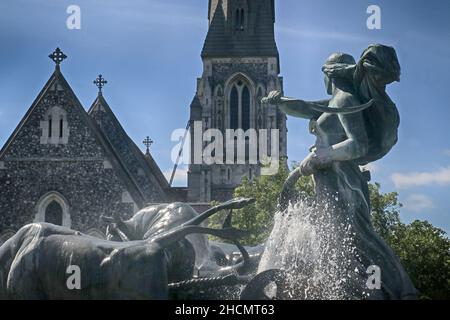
(68, 166)
(240, 66)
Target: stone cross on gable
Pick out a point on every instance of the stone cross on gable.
(57, 56)
(148, 142)
(100, 83)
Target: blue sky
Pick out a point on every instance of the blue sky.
(149, 51)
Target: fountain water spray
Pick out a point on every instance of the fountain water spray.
(313, 244)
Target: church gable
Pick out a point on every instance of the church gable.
(55, 126)
(58, 166)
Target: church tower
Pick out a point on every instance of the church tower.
(240, 66)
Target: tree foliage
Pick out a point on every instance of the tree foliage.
(423, 249)
(257, 218)
(385, 210)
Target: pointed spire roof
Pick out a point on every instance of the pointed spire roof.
(258, 39)
(142, 168)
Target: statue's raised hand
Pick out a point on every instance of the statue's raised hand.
(274, 98)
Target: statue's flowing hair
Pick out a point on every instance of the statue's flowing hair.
(377, 67)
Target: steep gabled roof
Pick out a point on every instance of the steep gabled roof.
(58, 79)
(212, 6)
(258, 40)
(143, 168)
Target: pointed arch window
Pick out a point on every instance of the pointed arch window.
(240, 110)
(53, 208)
(234, 108)
(54, 213)
(245, 108)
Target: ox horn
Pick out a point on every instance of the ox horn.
(192, 226)
(238, 203)
(120, 226)
(169, 237)
(245, 264)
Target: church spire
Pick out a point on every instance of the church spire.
(241, 28)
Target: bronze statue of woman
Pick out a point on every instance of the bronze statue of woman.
(358, 125)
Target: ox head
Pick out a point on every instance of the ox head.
(227, 232)
(138, 255)
(179, 251)
(117, 230)
(193, 225)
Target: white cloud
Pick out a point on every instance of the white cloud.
(418, 202)
(415, 179)
(180, 176)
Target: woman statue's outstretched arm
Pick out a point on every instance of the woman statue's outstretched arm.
(294, 107)
(311, 109)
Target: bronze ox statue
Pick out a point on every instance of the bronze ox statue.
(212, 259)
(34, 262)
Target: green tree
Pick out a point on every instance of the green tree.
(423, 249)
(257, 218)
(385, 210)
